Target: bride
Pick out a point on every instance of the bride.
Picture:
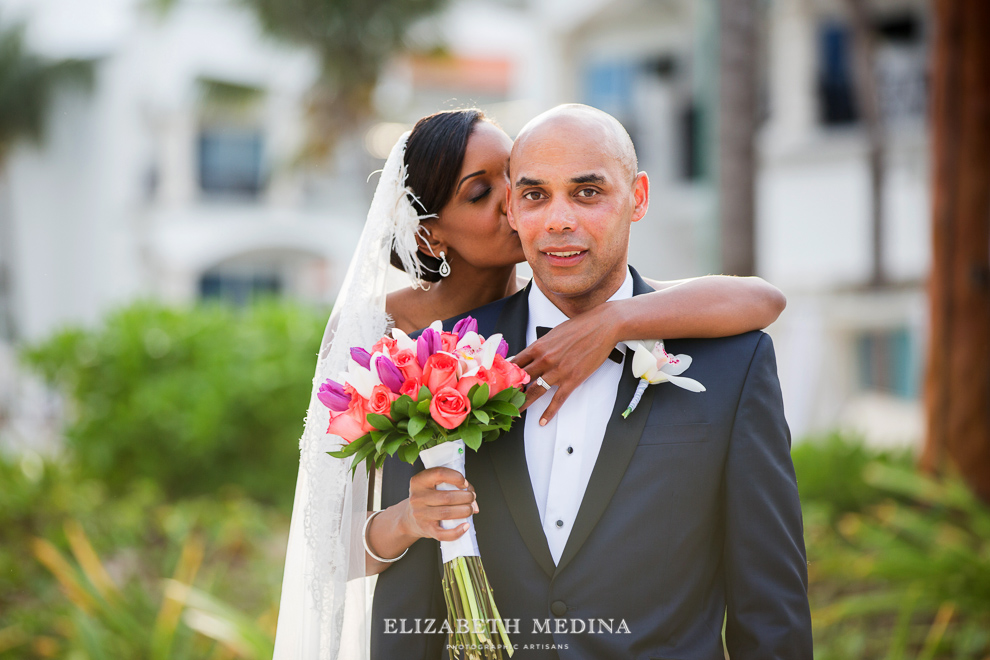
(439, 215)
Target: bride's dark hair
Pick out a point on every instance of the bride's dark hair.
(434, 156)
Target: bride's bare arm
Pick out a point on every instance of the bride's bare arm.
(711, 306)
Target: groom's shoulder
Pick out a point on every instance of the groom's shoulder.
(725, 355)
(486, 315)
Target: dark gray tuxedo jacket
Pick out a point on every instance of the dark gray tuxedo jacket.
(691, 518)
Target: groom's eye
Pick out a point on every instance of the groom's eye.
(587, 192)
(533, 195)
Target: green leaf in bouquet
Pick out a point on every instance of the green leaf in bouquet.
(518, 398)
(380, 422)
(424, 394)
(471, 435)
(401, 406)
(481, 416)
(488, 436)
(502, 407)
(478, 395)
(409, 453)
(402, 425)
(416, 424)
(362, 454)
(386, 437)
(504, 395)
(377, 435)
(393, 445)
(423, 406)
(423, 436)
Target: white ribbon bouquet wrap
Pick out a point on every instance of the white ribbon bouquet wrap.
(451, 455)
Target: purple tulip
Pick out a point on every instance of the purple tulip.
(428, 343)
(389, 374)
(333, 396)
(464, 326)
(361, 356)
(503, 348)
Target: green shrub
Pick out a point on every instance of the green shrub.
(830, 472)
(140, 539)
(191, 399)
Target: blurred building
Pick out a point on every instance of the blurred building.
(175, 176)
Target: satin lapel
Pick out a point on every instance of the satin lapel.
(508, 453)
(618, 446)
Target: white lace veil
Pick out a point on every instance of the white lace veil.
(325, 609)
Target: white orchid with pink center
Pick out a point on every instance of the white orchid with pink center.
(652, 364)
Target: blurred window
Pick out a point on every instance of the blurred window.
(238, 289)
(608, 86)
(836, 102)
(230, 161)
(887, 361)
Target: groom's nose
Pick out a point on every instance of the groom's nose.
(559, 215)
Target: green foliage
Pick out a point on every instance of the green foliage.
(81, 571)
(193, 399)
(899, 563)
(830, 472)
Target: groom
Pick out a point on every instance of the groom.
(605, 537)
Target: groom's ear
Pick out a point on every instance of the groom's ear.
(508, 207)
(430, 242)
(641, 196)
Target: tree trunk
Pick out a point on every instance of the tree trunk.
(868, 104)
(958, 394)
(738, 31)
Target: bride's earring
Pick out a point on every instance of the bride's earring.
(444, 266)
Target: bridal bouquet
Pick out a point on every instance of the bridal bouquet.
(429, 398)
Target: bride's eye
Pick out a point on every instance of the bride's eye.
(481, 196)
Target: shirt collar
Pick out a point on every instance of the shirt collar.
(542, 312)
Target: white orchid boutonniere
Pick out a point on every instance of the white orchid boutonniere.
(652, 364)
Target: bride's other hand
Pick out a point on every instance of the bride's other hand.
(566, 356)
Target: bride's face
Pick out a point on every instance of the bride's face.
(473, 222)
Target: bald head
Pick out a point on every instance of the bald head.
(577, 119)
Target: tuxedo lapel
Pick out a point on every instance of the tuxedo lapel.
(621, 439)
(508, 453)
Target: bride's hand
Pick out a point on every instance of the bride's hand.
(427, 506)
(566, 356)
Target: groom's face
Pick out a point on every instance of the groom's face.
(572, 198)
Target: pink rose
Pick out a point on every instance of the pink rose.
(449, 408)
(352, 423)
(505, 374)
(407, 363)
(381, 400)
(448, 342)
(411, 388)
(440, 371)
(384, 342)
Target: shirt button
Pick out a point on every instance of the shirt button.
(558, 607)
(560, 523)
(570, 450)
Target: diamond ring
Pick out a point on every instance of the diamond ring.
(542, 383)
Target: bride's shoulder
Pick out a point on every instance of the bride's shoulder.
(401, 306)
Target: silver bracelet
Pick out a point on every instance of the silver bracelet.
(367, 548)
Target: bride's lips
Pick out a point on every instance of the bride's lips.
(564, 256)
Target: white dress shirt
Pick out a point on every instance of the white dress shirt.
(561, 455)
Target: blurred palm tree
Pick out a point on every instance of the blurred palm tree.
(354, 40)
(27, 85)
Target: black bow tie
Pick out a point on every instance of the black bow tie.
(615, 356)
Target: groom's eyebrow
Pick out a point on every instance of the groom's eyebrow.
(466, 178)
(526, 181)
(589, 178)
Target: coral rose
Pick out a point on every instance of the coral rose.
(440, 371)
(407, 363)
(449, 408)
(381, 400)
(352, 423)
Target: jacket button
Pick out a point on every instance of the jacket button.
(558, 607)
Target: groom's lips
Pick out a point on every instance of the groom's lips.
(565, 256)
